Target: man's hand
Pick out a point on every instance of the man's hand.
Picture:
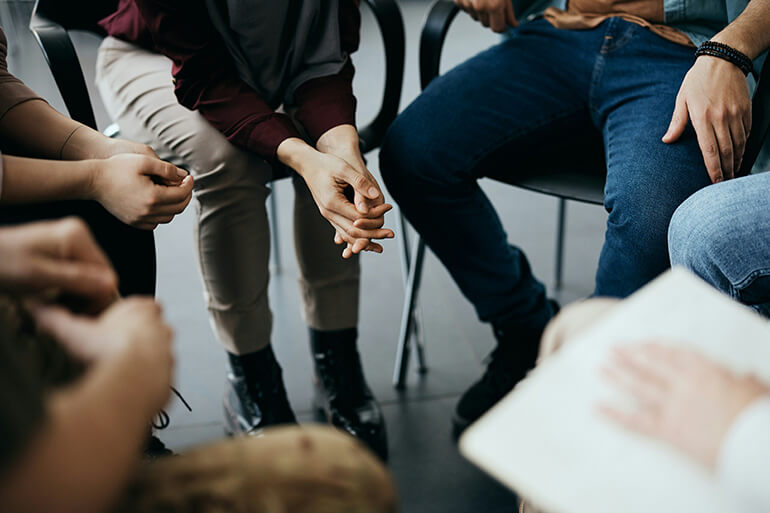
(681, 397)
(714, 96)
(132, 328)
(342, 142)
(59, 257)
(495, 14)
(329, 178)
(139, 190)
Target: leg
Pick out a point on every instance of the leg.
(232, 232)
(722, 234)
(646, 179)
(515, 111)
(230, 189)
(302, 470)
(329, 285)
(506, 110)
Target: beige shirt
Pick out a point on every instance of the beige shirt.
(588, 14)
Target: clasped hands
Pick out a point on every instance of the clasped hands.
(344, 190)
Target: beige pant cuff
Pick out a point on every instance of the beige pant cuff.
(333, 306)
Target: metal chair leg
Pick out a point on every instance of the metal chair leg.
(275, 239)
(417, 332)
(407, 314)
(561, 216)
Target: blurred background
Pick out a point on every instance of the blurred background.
(430, 473)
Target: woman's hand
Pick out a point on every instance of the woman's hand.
(714, 96)
(682, 398)
(60, 257)
(139, 190)
(131, 328)
(329, 179)
(342, 142)
(495, 14)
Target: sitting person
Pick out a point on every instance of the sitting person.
(75, 406)
(716, 418)
(50, 160)
(570, 89)
(202, 83)
(722, 234)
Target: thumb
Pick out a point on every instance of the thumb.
(168, 172)
(510, 15)
(84, 279)
(360, 183)
(679, 121)
(72, 331)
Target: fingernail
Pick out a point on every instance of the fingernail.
(181, 173)
(374, 192)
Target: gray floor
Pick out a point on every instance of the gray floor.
(431, 475)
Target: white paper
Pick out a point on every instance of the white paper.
(546, 441)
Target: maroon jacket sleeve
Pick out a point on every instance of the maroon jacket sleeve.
(206, 79)
(326, 102)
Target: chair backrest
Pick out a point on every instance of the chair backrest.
(76, 14)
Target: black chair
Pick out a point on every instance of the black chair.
(585, 185)
(53, 19)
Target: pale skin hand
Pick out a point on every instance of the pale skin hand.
(59, 257)
(134, 325)
(342, 142)
(127, 186)
(714, 96)
(497, 15)
(329, 177)
(682, 398)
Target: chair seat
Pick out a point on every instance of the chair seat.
(586, 187)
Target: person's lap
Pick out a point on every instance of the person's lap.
(545, 98)
(722, 233)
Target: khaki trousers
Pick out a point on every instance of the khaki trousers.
(232, 232)
(313, 469)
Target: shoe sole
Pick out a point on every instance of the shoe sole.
(459, 425)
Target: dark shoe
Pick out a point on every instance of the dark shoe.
(156, 449)
(509, 363)
(342, 395)
(255, 397)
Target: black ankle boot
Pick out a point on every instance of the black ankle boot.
(255, 397)
(514, 356)
(342, 395)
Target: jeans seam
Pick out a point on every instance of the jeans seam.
(737, 288)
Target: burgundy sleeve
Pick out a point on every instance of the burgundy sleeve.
(206, 79)
(326, 102)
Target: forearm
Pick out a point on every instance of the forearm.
(36, 129)
(750, 32)
(84, 458)
(27, 180)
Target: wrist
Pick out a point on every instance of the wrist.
(91, 175)
(295, 153)
(85, 143)
(342, 138)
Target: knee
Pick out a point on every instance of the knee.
(412, 156)
(698, 233)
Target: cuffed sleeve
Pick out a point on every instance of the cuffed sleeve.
(744, 462)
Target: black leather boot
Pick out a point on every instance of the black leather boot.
(342, 395)
(255, 397)
(514, 356)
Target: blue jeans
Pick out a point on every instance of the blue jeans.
(722, 233)
(543, 98)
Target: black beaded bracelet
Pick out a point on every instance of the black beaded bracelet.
(728, 53)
